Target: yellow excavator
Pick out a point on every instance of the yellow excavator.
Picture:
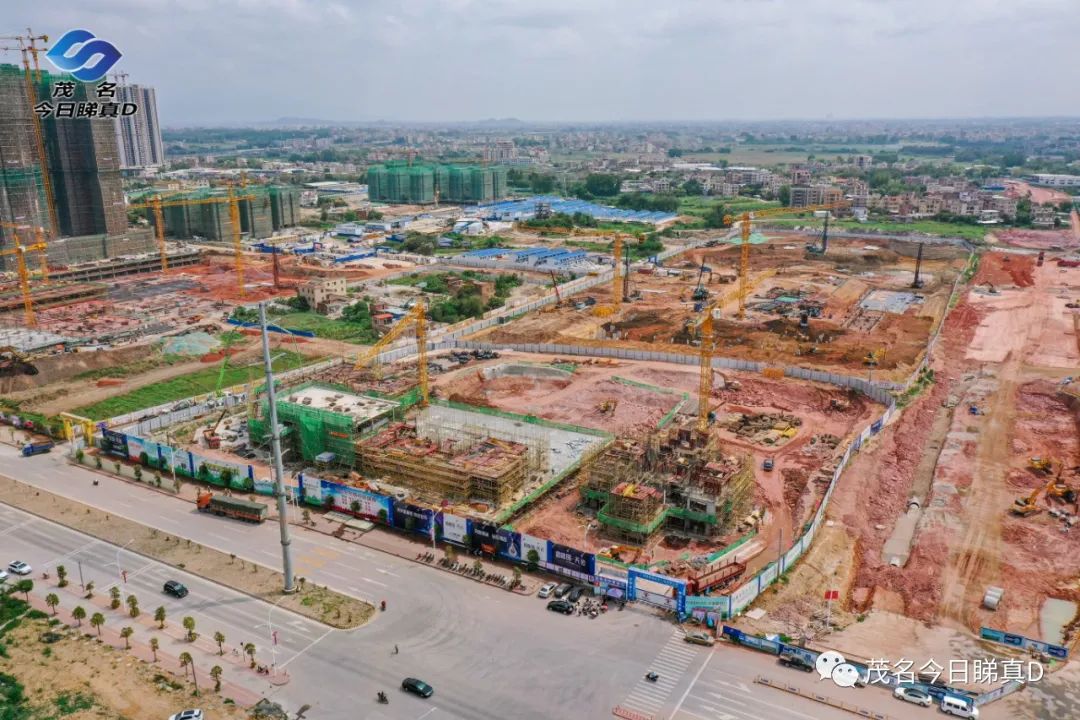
(1026, 506)
(1041, 464)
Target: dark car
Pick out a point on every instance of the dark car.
(575, 594)
(566, 608)
(417, 687)
(175, 588)
(796, 661)
(563, 589)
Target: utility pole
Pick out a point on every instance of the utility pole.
(275, 445)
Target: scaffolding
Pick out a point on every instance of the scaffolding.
(490, 471)
(22, 185)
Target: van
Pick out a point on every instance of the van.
(951, 705)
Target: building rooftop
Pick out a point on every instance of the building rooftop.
(358, 407)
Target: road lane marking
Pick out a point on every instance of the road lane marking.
(220, 537)
(692, 683)
(427, 713)
(310, 645)
(386, 572)
(334, 575)
(721, 698)
(13, 528)
(376, 582)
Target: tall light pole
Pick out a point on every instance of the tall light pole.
(275, 445)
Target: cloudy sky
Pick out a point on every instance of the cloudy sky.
(232, 61)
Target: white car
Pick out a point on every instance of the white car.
(913, 695)
(19, 567)
(3, 575)
(546, 590)
(187, 715)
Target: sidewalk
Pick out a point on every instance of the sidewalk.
(235, 683)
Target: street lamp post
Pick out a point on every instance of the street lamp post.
(278, 470)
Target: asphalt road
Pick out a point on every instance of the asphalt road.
(488, 653)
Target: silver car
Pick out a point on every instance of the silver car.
(546, 590)
(19, 567)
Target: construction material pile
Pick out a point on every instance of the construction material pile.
(764, 428)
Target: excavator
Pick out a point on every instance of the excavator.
(13, 362)
(1043, 465)
(1026, 506)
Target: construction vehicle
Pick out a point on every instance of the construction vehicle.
(13, 362)
(700, 293)
(813, 249)
(555, 284)
(744, 219)
(769, 464)
(1026, 506)
(236, 508)
(213, 440)
(606, 407)
(37, 448)
(416, 316)
(1043, 465)
(874, 358)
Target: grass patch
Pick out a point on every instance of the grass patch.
(925, 227)
(134, 368)
(324, 327)
(69, 703)
(196, 383)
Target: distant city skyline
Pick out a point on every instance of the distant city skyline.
(250, 62)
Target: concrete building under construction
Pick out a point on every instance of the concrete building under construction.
(274, 207)
(490, 471)
(680, 481)
(426, 184)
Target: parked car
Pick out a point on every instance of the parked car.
(798, 662)
(194, 714)
(546, 590)
(958, 706)
(914, 695)
(566, 608)
(700, 638)
(417, 687)
(563, 589)
(175, 588)
(575, 594)
(3, 575)
(19, 567)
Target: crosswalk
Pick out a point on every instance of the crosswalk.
(648, 697)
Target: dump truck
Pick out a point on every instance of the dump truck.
(37, 448)
(232, 507)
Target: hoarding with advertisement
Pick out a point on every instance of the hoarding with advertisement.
(485, 537)
(573, 559)
(412, 518)
(455, 529)
(115, 443)
(510, 545)
(531, 544)
(368, 504)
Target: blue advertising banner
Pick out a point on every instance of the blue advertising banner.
(1012, 640)
(573, 559)
(115, 443)
(412, 518)
(485, 537)
(510, 545)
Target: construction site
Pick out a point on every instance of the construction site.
(857, 307)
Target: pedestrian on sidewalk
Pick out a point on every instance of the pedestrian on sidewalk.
(395, 650)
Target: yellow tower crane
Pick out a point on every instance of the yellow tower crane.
(157, 203)
(417, 316)
(19, 251)
(744, 219)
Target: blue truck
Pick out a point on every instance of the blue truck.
(37, 448)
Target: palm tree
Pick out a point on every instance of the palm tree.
(78, 613)
(219, 638)
(189, 625)
(215, 672)
(159, 617)
(185, 660)
(97, 620)
(52, 600)
(114, 593)
(25, 586)
(249, 650)
(125, 633)
(61, 574)
(153, 647)
(133, 605)
(90, 590)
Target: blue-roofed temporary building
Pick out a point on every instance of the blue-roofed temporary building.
(526, 209)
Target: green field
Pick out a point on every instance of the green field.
(178, 388)
(324, 327)
(925, 227)
(700, 206)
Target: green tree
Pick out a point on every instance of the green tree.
(90, 590)
(61, 575)
(154, 645)
(693, 187)
(79, 614)
(25, 586)
(52, 600)
(159, 617)
(133, 605)
(219, 638)
(249, 650)
(215, 673)
(126, 632)
(602, 185)
(715, 217)
(189, 624)
(784, 195)
(114, 594)
(97, 620)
